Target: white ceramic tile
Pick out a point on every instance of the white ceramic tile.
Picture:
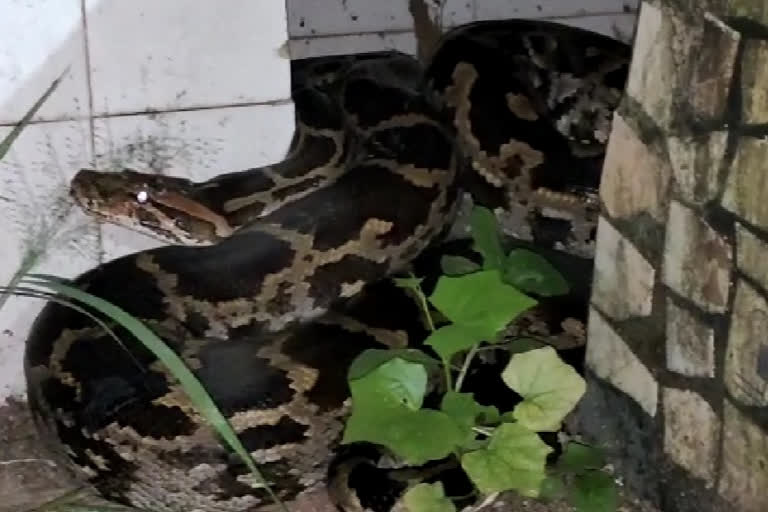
(325, 17)
(498, 9)
(39, 40)
(335, 17)
(618, 26)
(457, 12)
(359, 43)
(147, 55)
(38, 221)
(196, 144)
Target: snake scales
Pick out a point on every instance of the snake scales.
(274, 283)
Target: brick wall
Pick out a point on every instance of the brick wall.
(678, 332)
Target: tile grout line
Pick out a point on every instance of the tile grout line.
(223, 106)
(266, 103)
(89, 78)
(91, 123)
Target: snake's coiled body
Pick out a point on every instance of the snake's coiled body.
(269, 309)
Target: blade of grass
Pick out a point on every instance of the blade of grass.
(194, 389)
(22, 291)
(5, 145)
(9, 139)
(26, 265)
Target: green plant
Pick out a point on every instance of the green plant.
(499, 451)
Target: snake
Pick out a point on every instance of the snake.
(275, 278)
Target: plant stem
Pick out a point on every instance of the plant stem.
(465, 367)
(421, 299)
(483, 430)
(30, 258)
(425, 307)
(447, 373)
(431, 325)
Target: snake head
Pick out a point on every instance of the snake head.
(163, 207)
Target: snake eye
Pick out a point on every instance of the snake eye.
(142, 196)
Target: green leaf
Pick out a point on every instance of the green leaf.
(427, 498)
(531, 273)
(508, 417)
(463, 408)
(552, 488)
(451, 339)
(479, 301)
(595, 491)
(396, 383)
(550, 388)
(513, 460)
(457, 265)
(385, 410)
(474, 444)
(467, 413)
(371, 359)
(578, 458)
(415, 436)
(485, 233)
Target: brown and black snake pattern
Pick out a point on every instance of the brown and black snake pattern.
(276, 284)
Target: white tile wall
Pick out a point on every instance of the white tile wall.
(33, 192)
(490, 9)
(334, 17)
(39, 222)
(39, 40)
(147, 55)
(305, 47)
(323, 27)
(619, 26)
(216, 80)
(455, 12)
(196, 144)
